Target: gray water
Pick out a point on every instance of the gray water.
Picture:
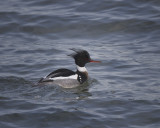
(123, 90)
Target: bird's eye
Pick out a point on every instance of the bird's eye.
(87, 57)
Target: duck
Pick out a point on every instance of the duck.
(67, 78)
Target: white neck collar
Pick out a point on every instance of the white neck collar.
(81, 69)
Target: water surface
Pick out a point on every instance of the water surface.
(123, 90)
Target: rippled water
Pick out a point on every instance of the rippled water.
(123, 91)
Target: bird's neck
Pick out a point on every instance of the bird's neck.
(82, 74)
(81, 69)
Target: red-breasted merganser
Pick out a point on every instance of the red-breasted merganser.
(67, 78)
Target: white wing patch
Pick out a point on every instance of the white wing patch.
(63, 77)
